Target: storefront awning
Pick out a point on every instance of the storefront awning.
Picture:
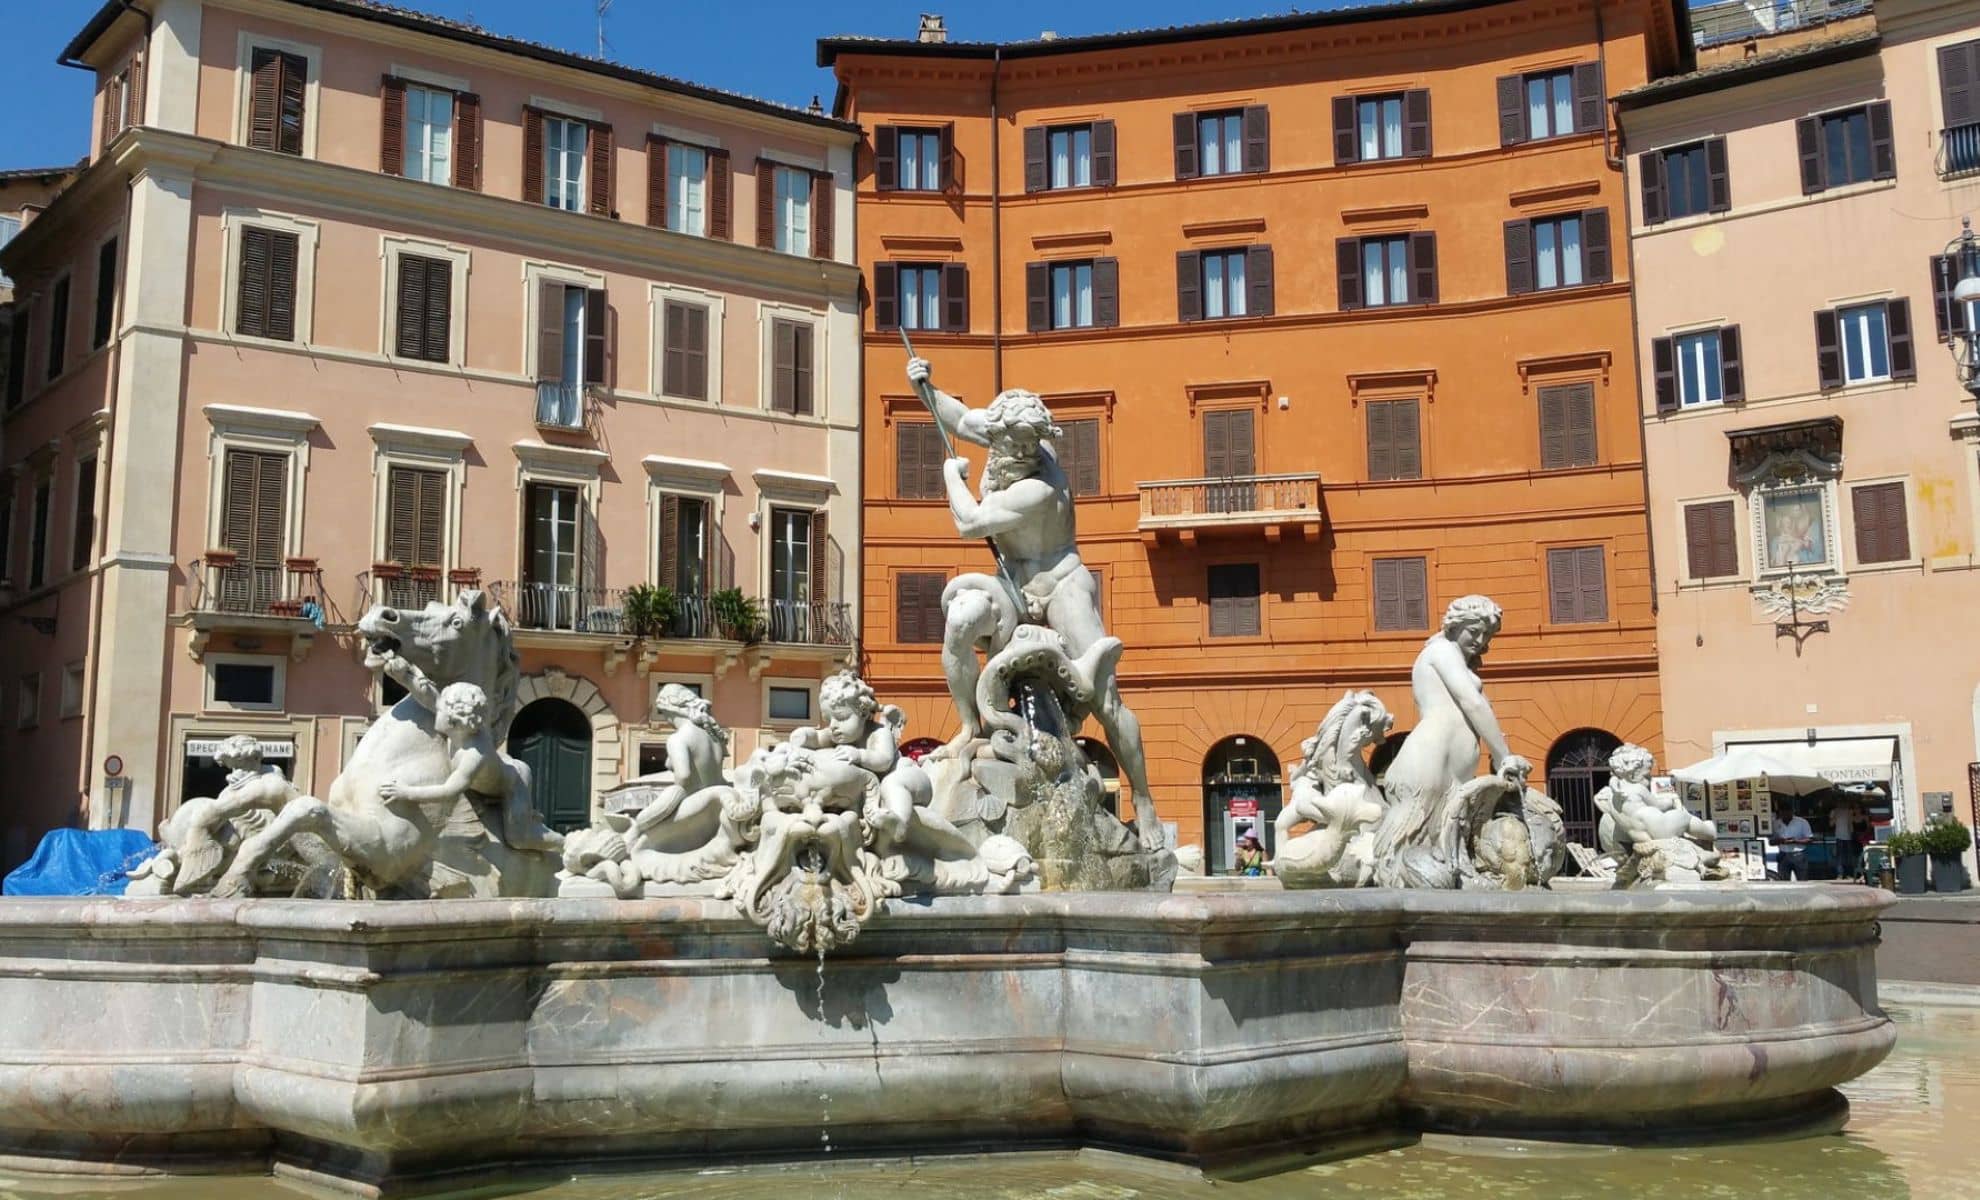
(1838, 760)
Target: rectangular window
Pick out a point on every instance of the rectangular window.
(1394, 440)
(38, 536)
(790, 558)
(921, 296)
(1866, 347)
(918, 457)
(793, 213)
(684, 350)
(1385, 271)
(429, 152)
(685, 555)
(564, 143)
(265, 299)
(1684, 181)
(1846, 147)
(1864, 343)
(1711, 549)
(1577, 586)
(1223, 284)
(1699, 368)
(1549, 105)
(552, 562)
(72, 690)
(1700, 379)
(1557, 253)
(918, 295)
(1402, 593)
(571, 325)
(918, 606)
(244, 685)
(10, 227)
(83, 544)
(1379, 126)
(416, 517)
(1069, 162)
(1072, 295)
(687, 189)
(791, 367)
(27, 701)
(1882, 533)
(106, 295)
(919, 163)
(1567, 426)
(276, 89)
(1959, 105)
(58, 328)
(1234, 600)
(423, 313)
(253, 524)
(1850, 145)
(791, 704)
(1078, 451)
(1220, 143)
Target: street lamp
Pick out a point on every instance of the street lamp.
(1963, 321)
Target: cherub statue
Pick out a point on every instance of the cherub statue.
(856, 756)
(460, 712)
(1652, 835)
(198, 836)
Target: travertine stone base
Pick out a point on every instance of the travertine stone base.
(412, 1044)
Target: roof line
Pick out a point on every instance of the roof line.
(402, 18)
(830, 48)
(1787, 62)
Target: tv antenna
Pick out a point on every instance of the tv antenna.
(604, 7)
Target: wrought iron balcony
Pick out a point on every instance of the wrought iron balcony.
(809, 623)
(560, 405)
(1739, 20)
(285, 598)
(562, 607)
(1269, 502)
(1959, 151)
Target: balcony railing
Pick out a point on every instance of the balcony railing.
(1959, 151)
(1233, 500)
(809, 623)
(222, 584)
(566, 608)
(562, 606)
(560, 405)
(1717, 24)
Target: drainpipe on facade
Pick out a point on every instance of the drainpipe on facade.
(996, 231)
(1615, 161)
(1612, 157)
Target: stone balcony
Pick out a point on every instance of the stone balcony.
(252, 599)
(1271, 505)
(566, 616)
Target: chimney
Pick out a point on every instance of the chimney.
(932, 29)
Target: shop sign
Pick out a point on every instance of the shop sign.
(270, 748)
(1244, 808)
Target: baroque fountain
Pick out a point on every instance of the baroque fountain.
(411, 984)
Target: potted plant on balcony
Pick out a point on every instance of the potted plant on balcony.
(649, 611)
(1908, 852)
(739, 617)
(1946, 840)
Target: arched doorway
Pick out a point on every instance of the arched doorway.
(553, 738)
(1577, 768)
(1110, 773)
(1241, 794)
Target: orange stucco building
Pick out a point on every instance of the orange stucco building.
(1334, 310)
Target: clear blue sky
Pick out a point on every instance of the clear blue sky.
(761, 47)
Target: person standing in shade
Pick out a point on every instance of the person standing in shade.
(1791, 837)
(1846, 816)
(1250, 855)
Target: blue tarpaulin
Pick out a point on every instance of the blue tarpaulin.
(80, 862)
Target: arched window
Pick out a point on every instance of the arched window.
(1577, 768)
(1241, 794)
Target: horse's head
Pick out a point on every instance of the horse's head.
(467, 641)
(1357, 721)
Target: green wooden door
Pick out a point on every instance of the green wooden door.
(553, 738)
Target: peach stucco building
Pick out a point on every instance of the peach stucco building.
(354, 306)
(1814, 462)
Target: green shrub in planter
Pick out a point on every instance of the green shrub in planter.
(738, 616)
(1945, 841)
(1908, 851)
(650, 611)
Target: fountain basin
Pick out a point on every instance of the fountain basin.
(399, 1046)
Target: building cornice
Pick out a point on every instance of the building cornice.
(445, 440)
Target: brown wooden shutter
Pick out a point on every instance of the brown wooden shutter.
(1257, 139)
(1555, 451)
(295, 76)
(1588, 97)
(550, 332)
(250, 286)
(416, 516)
(673, 348)
(669, 574)
(721, 205)
(1414, 583)
(656, 181)
(886, 296)
(1732, 372)
(766, 203)
(596, 319)
(801, 364)
(1710, 552)
(911, 456)
(255, 514)
(695, 351)
(1106, 293)
(1897, 323)
(955, 297)
(1882, 532)
(134, 92)
(1718, 178)
(1519, 257)
(1037, 296)
(1423, 267)
(1036, 178)
(1347, 138)
(1947, 317)
(282, 253)
(1959, 83)
(1512, 109)
(532, 164)
(1216, 445)
(113, 109)
(1405, 440)
(1595, 257)
(947, 137)
(1083, 436)
(1581, 425)
(1883, 142)
(907, 608)
(1663, 369)
(886, 158)
(1106, 157)
(82, 542)
(783, 366)
(264, 99)
(1594, 581)
(1234, 607)
(1388, 594)
(409, 338)
(1258, 283)
(1650, 168)
(438, 318)
(1380, 421)
(598, 171)
(392, 125)
(1189, 285)
(467, 141)
(1185, 142)
(1828, 350)
(1808, 145)
(1347, 270)
(824, 587)
(1563, 587)
(821, 215)
(1416, 123)
(106, 295)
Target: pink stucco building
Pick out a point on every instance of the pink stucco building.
(1813, 460)
(353, 306)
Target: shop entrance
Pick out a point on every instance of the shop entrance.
(553, 738)
(1577, 768)
(1241, 794)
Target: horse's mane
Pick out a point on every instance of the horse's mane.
(507, 679)
(1324, 757)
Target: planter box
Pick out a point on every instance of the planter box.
(1948, 873)
(1911, 875)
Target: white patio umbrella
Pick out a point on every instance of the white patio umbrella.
(1749, 763)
